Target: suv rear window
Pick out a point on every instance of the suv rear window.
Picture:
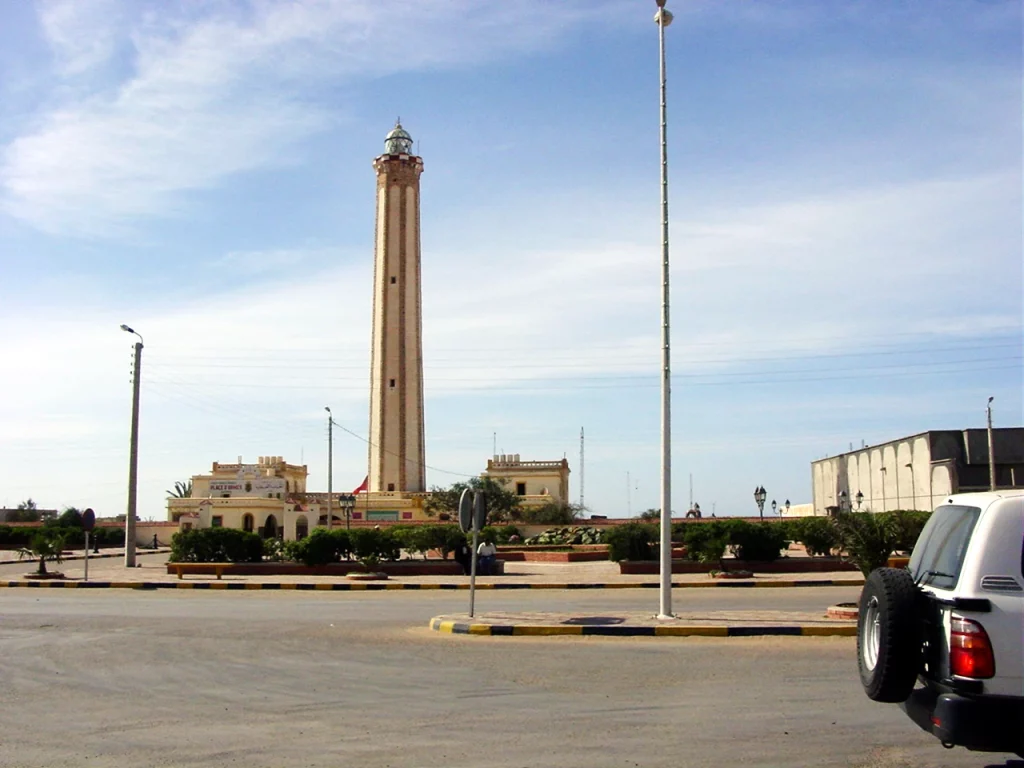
(940, 550)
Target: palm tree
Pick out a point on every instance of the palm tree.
(46, 545)
(181, 490)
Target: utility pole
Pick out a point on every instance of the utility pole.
(991, 452)
(629, 503)
(133, 462)
(330, 466)
(581, 468)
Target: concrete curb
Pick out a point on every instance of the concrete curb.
(383, 586)
(722, 630)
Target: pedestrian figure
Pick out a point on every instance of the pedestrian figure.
(486, 554)
(463, 556)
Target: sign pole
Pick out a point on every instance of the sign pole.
(88, 523)
(472, 570)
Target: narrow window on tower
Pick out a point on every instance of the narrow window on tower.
(394, 280)
(391, 486)
(391, 383)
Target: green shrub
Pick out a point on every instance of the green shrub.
(756, 541)
(450, 538)
(631, 541)
(907, 525)
(371, 545)
(867, 538)
(503, 533)
(273, 550)
(705, 542)
(819, 535)
(216, 545)
(551, 513)
(15, 537)
(679, 532)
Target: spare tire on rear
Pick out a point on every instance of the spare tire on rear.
(889, 635)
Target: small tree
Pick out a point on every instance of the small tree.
(502, 504)
(552, 513)
(47, 544)
(867, 538)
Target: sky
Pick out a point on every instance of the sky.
(845, 186)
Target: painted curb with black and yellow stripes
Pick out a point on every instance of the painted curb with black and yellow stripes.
(721, 630)
(389, 585)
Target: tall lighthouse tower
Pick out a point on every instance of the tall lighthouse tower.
(396, 365)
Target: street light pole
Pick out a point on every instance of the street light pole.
(759, 496)
(884, 503)
(330, 465)
(913, 485)
(133, 461)
(991, 453)
(663, 18)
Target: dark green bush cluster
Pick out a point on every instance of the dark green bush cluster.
(756, 541)
(420, 539)
(819, 535)
(632, 541)
(13, 536)
(705, 542)
(907, 524)
(321, 547)
(216, 545)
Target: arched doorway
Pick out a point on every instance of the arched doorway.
(247, 523)
(301, 528)
(270, 528)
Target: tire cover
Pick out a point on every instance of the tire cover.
(889, 635)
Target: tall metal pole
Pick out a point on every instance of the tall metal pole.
(330, 466)
(133, 465)
(663, 18)
(581, 469)
(991, 452)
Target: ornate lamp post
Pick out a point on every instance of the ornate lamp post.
(348, 503)
(759, 496)
(787, 507)
(775, 507)
(860, 498)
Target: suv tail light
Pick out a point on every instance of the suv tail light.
(970, 650)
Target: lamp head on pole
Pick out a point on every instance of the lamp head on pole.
(128, 329)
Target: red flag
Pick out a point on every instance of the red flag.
(363, 486)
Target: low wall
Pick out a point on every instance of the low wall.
(553, 557)
(782, 565)
(401, 568)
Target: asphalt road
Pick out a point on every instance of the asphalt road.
(124, 678)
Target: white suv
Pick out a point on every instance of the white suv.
(953, 620)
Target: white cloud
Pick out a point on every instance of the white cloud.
(82, 33)
(230, 91)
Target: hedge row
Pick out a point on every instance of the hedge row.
(16, 537)
(704, 542)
